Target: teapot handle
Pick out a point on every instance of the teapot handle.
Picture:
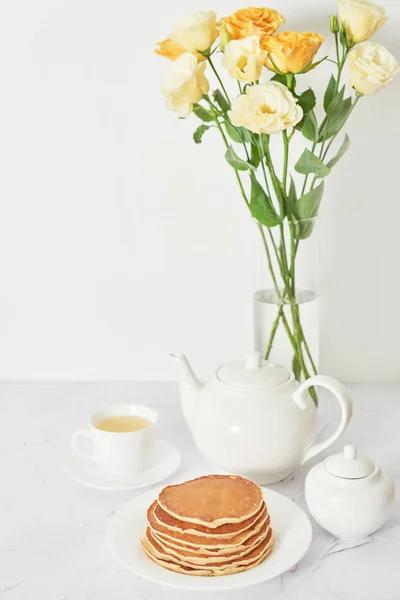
(301, 397)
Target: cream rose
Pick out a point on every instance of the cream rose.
(371, 67)
(184, 84)
(266, 108)
(362, 18)
(197, 32)
(243, 59)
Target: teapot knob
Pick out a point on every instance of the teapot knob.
(253, 361)
(349, 452)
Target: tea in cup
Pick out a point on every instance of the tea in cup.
(119, 437)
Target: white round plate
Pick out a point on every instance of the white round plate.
(164, 460)
(292, 531)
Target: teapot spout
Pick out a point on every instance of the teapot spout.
(189, 386)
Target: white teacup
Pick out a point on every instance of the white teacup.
(114, 445)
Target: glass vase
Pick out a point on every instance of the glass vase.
(286, 305)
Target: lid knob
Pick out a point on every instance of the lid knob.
(350, 452)
(253, 361)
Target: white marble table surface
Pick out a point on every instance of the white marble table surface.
(53, 530)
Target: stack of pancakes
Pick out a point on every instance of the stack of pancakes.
(214, 525)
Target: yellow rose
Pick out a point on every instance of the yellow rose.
(252, 21)
(371, 68)
(361, 18)
(243, 59)
(289, 51)
(197, 32)
(184, 84)
(170, 49)
(266, 108)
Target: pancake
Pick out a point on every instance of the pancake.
(200, 558)
(154, 550)
(213, 500)
(177, 568)
(209, 541)
(206, 572)
(215, 551)
(154, 547)
(228, 530)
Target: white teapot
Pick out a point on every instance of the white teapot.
(254, 419)
(349, 495)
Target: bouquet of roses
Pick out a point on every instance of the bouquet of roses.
(272, 100)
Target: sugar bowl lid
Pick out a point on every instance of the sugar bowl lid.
(348, 465)
(253, 373)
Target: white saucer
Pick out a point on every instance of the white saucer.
(291, 526)
(164, 460)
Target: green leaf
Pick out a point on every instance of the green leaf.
(200, 131)
(261, 206)
(330, 92)
(307, 101)
(237, 163)
(255, 155)
(221, 101)
(238, 134)
(309, 163)
(309, 126)
(292, 197)
(343, 149)
(336, 120)
(307, 208)
(202, 113)
(337, 113)
(233, 132)
(336, 102)
(247, 135)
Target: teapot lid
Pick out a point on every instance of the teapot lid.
(348, 465)
(253, 373)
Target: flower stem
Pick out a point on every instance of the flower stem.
(268, 254)
(265, 177)
(337, 48)
(273, 332)
(227, 145)
(219, 79)
(285, 159)
(296, 338)
(288, 275)
(265, 244)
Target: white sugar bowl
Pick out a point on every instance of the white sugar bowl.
(349, 495)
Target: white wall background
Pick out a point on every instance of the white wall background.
(121, 241)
